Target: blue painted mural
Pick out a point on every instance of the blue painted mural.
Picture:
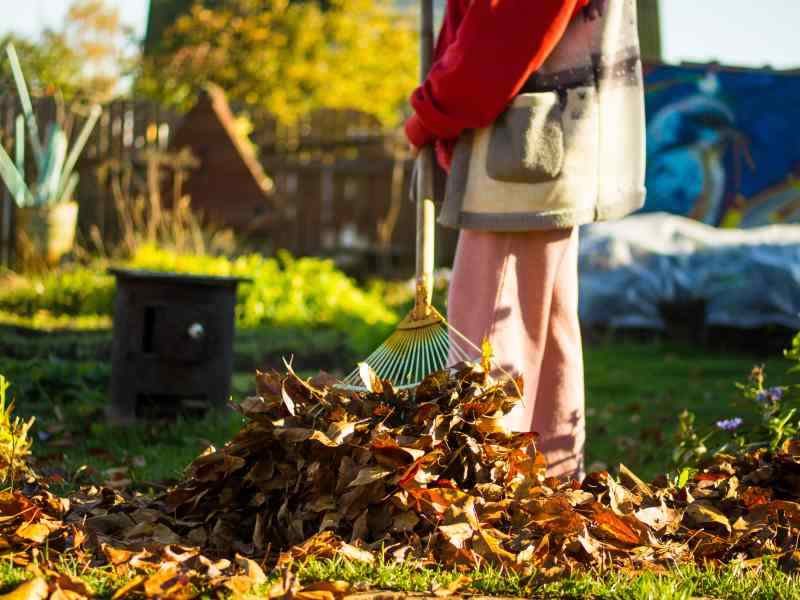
(723, 145)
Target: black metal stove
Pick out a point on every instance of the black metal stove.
(173, 343)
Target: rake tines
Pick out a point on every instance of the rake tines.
(417, 348)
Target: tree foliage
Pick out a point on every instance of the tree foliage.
(50, 64)
(87, 57)
(288, 58)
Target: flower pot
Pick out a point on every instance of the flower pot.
(45, 233)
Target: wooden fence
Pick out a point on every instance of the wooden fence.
(341, 187)
(124, 130)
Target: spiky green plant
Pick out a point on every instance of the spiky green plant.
(15, 445)
(55, 161)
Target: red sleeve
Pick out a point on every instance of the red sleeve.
(416, 132)
(496, 47)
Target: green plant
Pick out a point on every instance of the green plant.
(774, 423)
(55, 161)
(15, 445)
(78, 291)
(282, 292)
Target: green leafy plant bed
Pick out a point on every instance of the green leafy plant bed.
(324, 494)
(286, 294)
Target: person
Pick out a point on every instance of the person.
(536, 111)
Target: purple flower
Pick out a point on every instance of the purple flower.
(775, 393)
(730, 424)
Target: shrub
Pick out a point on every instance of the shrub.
(777, 422)
(75, 292)
(15, 445)
(283, 292)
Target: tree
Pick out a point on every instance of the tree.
(86, 58)
(288, 57)
(50, 64)
(103, 43)
(164, 13)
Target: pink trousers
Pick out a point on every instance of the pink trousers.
(521, 289)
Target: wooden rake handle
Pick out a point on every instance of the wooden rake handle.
(426, 214)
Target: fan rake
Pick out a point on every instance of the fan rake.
(423, 342)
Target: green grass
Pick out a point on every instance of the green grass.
(681, 583)
(635, 391)
(11, 576)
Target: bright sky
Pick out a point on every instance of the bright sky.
(735, 32)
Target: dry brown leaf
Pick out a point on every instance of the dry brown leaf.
(630, 479)
(251, 569)
(369, 475)
(369, 378)
(457, 533)
(239, 585)
(35, 589)
(61, 594)
(323, 590)
(701, 513)
(356, 554)
(168, 582)
(405, 521)
(428, 474)
(452, 588)
(33, 532)
(491, 539)
(660, 518)
(68, 583)
(622, 529)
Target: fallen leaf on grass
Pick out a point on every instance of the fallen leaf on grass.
(356, 554)
(68, 583)
(370, 475)
(169, 582)
(701, 513)
(660, 518)
(323, 590)
(452, 588)
(33, 532)
(457, 533)
(61, 594)
(35, 589)
(428, 474)
(134, 584)
(251, 569)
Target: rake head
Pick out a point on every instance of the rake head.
(423, 343)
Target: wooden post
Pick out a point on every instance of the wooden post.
(649, 29)
(6, 235)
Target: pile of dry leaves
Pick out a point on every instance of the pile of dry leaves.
(430, 475)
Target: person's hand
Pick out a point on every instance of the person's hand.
(413, 151)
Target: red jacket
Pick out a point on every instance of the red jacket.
(485, 52)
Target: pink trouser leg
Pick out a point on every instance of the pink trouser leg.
(521, 289)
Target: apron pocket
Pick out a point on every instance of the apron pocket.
(526, 144)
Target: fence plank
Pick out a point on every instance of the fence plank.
(335, 173)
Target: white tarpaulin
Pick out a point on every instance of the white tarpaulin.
(748, 277)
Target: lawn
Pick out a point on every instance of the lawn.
(635, 392)
(636, 389)
(682, 583)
